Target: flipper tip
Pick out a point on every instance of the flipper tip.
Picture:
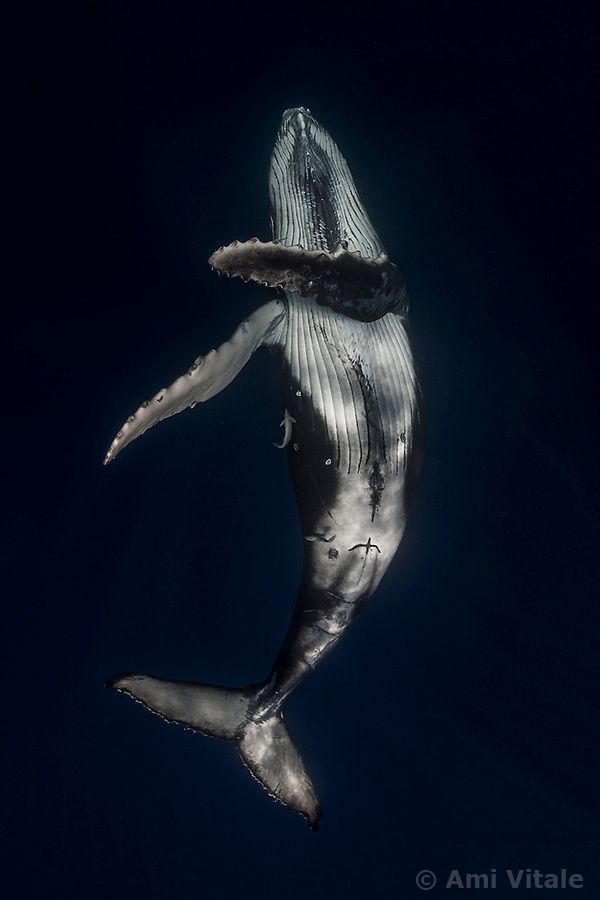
(120, 682)
(314, 823)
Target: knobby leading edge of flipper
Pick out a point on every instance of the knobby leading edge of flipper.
(352, 430)
(207, 376)
(345, 281)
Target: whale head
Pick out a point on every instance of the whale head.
(314, 201)
(323, 243)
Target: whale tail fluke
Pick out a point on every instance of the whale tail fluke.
(262, 740)
(271, 756)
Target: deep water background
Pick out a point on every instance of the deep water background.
(456, 727)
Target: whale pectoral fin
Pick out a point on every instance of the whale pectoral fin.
(207, 376)
(361, 287)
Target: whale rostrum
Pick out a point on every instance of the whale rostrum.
(337, 332)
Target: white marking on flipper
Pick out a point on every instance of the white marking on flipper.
(287, 423)
(207, 376)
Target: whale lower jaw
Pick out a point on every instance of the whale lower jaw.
(313, 197)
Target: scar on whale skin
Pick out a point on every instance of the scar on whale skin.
(368, 546)
(377, 486)
(317, 536)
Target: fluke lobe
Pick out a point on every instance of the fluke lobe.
(339, 338)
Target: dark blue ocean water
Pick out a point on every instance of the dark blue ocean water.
(456, 727)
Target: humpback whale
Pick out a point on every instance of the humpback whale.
(338, 332)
